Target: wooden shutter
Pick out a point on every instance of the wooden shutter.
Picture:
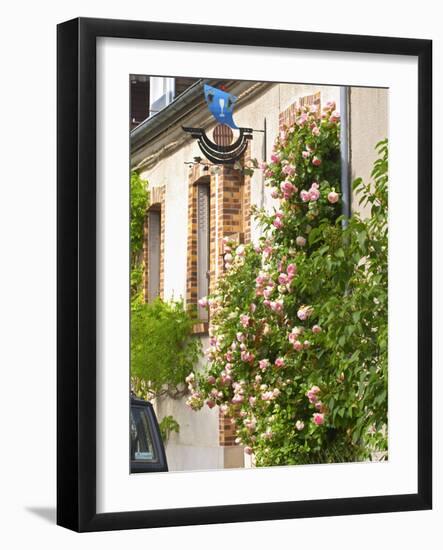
(203, 230)
(154, 223)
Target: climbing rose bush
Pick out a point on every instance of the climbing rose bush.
(298, 335)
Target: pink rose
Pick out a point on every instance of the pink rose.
(319, 418)
(316, 329)
(244, 320)
(275, 157)
(263, 364)
(302, 119)
(279, 362)
(304, 313)
(203, 302)
(333, 197)
(316, 131)
(289, 170)
(305, 195)
(211, 380)
(291, 270)
(288, 188)
(316, 161)
(300, 241)
(277, 223)
(335, 116)
(283, 279)
(297, 345)
(305, 154)
(274, 193)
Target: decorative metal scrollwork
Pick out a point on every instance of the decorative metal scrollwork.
(218, 153)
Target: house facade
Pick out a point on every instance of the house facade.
(194, 206)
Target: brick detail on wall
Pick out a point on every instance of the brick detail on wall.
(230, 215)
(288, 116)
(226, 430)
(157, 201)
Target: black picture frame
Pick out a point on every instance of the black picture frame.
(76, 280)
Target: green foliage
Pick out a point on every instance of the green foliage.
(139, 203)
(168, 425)
(299, 336)
(163, 350)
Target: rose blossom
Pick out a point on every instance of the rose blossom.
(314, 194)
(277, 306)
(240, 250)
(291, 270)
(280, 362)
(289, 170)
(263, 364)
(304, 313)
(300, 241)
(244, 320)
(203, 302)
(304, 195)
(275, 157)
(211, 380)
(248, 450)
(319, 418)
(297, 345)
(277, 223)
(238, 398)
(240, 336)
(333, 197)
(274, 193)
(305, 154)
(299, 425)
(283, 278)
(316, 131)
(335, 116)
(316, 161)
(288, 189)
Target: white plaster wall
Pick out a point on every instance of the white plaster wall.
(368, 126)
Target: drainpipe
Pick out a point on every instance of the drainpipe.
(264, 155)
(217, 251)
(344, 154)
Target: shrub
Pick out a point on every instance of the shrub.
(298, 348)
(163, 350)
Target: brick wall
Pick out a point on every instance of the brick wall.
(288, 116)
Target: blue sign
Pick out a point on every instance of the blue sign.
(220, 104)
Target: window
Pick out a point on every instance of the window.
(162, 92)
(203, 243)
(154, 244)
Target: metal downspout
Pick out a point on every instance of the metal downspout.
(344, 154)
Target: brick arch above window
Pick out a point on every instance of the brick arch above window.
(230, 205)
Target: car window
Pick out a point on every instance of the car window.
(142, 447)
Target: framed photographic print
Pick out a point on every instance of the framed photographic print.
(244, 274)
